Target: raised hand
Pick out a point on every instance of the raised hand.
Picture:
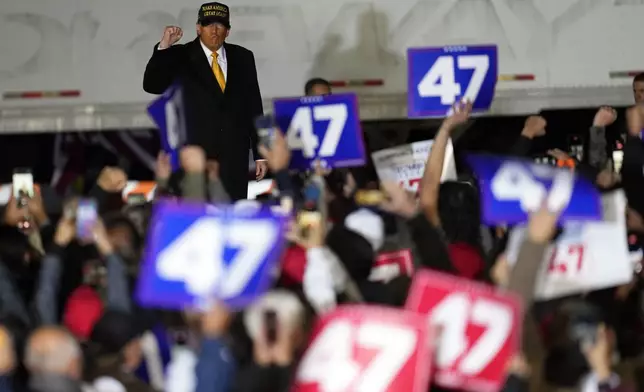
(534, 126)
(460, 114)
(171, 35)
(605, 116)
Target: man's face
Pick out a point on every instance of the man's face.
(638, 92)
(320, 89)
(213, 35)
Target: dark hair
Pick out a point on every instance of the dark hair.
(113, 220)
(639, 77)
(308, 87)
(459, 210)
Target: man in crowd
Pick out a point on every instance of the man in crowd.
(638, 88)
(54, 359)
(317, 86)
(221, 93)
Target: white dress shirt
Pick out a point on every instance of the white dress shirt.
(221, 58)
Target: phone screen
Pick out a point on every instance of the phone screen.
(136, 199)
(265, 126)
(312, 196)
(23, 184)
(86, 214)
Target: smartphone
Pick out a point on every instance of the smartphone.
(270, 323)
(312, 196)
(136, 199)
(23, 185)
(265, 126)
(369, 197)
(86, 215)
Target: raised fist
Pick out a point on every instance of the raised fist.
(193, 159)
(535, 126)
(171, 35)
(605, 116)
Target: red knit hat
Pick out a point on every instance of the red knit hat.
(466, 259)
(293, 265)
(84, 308)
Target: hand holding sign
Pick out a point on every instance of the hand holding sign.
(194, 254)
(576, 261)
(364, 348)
(513, 188)
(324, 128)
(440, 77)
(460, 308)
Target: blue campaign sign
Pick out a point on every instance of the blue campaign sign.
(197, 253)
(512, 188)
(324, 128)
(439, 77)
(168, 114)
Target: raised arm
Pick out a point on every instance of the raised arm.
(165, 63)
(431, 180)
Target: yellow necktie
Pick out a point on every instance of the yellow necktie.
(219, 74)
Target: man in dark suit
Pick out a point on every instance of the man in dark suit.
(220, 90)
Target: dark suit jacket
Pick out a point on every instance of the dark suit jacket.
(220, 122)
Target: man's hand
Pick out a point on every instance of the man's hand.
(598, 354)
(36, 208)
(535, 126)
(112, 179)
(261, 168)
(13, 214)
(193, 159)
(607, 178)
(212, 168)
(460, 114)
(279, 156)
(163, 168)
(101, 239)
(605, 116)
(399, 201)
(65, 232)
(171, 35)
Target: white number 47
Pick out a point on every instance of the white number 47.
(195, 257)
(440, 80)
(300, 134)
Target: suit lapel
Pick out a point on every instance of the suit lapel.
(202, 67)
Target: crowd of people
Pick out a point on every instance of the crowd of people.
(69, 322)
(69, 319)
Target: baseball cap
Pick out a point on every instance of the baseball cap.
(210, 13)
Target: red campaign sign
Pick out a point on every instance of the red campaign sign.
(366, 348)
(413, 184)
(390, 265)
(566, 260)
(479, 329)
